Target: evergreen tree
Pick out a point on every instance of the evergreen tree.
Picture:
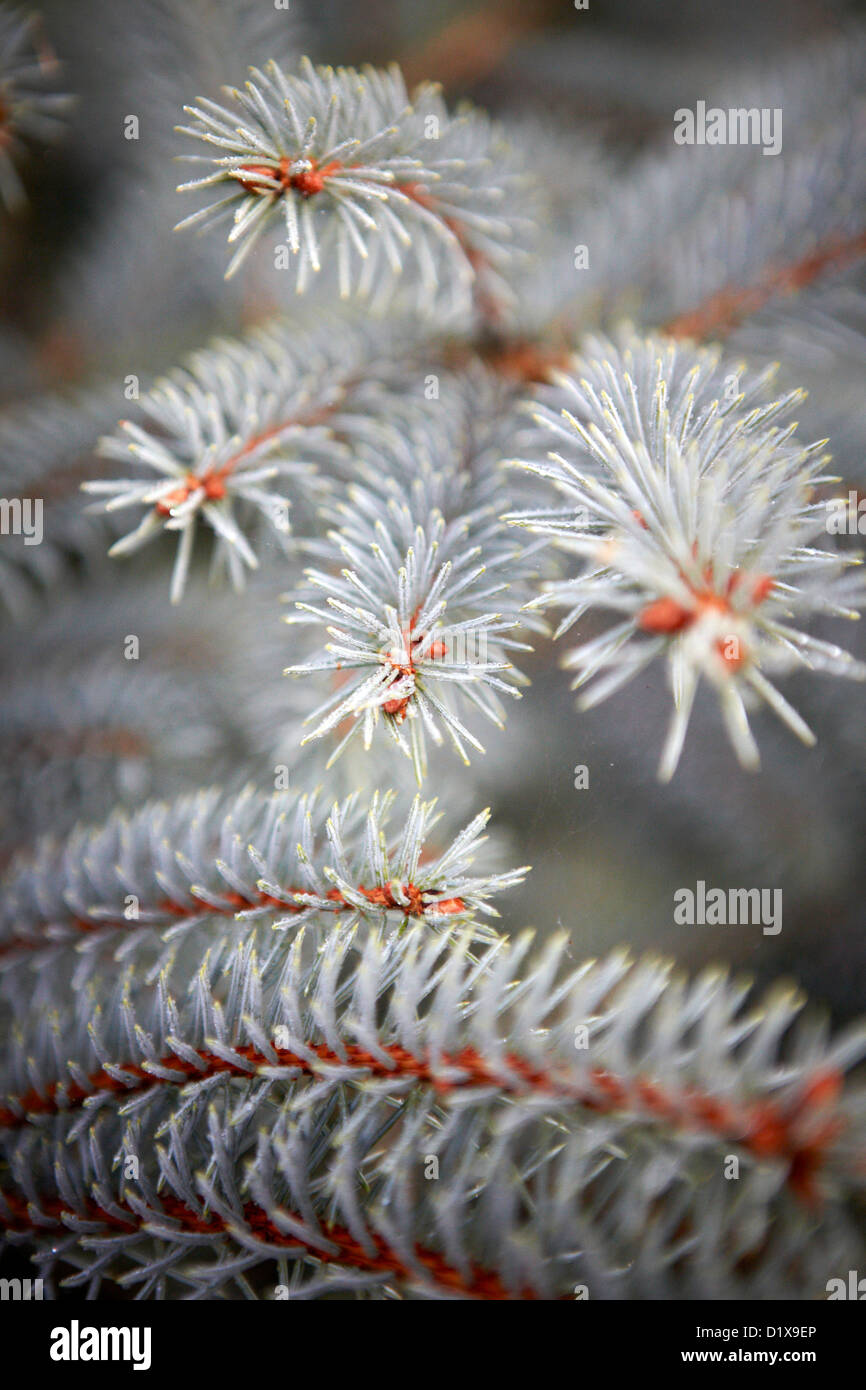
(476, 394)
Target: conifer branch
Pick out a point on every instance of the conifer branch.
(47, 449)
(231, 436)
(421, 583)
(257, 1105)
(726, 308)
(29, 110)
(269, 1044)
(698, 521)
(216, 869)
(396, 178)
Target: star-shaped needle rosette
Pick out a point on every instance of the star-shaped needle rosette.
(363, 174)
(218, 460)
(712, 568)
(410, 637)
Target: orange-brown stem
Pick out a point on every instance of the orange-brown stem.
(399, 708)
(721, 312)
(307, 182)
(763, 1128)
(377, 1257)
(233, 903)
(214, 482)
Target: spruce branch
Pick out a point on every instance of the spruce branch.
(88, 730)
(47, 447)
(77, 738)
(726, 308)
(698, 523)
(345, 157)
(256, 1109)
(269, 1045)
(29, 110)
(224, 1216)
(212, 866)
(422, 585)
(704, 237)
(230, 435)
(806, 225)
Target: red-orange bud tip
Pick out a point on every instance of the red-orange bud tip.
(664, 615)
(448, 906)
(761, 588)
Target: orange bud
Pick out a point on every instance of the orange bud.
(664, 615)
